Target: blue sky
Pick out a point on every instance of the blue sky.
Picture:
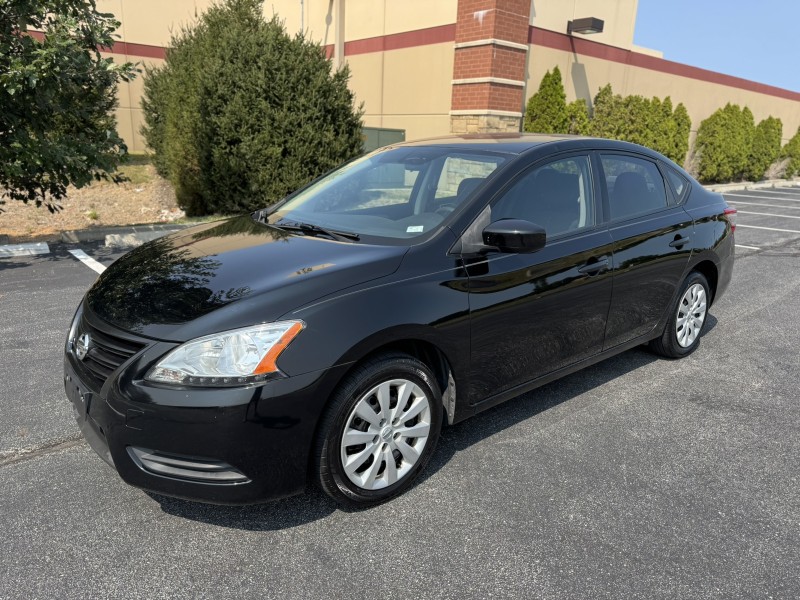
(753, 39)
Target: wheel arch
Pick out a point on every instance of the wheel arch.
(708, 269)
(416, 343)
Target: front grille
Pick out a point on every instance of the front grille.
(106, 352)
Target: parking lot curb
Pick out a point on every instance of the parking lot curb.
(121, 236)
(751, 185)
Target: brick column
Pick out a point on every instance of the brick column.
(491, 53)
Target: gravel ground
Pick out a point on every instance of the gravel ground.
(147, 198)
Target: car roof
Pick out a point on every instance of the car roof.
(518, 143)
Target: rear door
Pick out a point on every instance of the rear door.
(652, 241)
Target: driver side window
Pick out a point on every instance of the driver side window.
(556, 196)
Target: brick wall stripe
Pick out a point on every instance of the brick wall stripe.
(536, 36)
(126, 48)
(397, 41)
(584, 47)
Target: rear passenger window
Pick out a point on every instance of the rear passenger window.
(556, 196)
(635, 186)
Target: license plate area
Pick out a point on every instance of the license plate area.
(80, 398)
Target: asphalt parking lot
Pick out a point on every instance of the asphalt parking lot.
(636, 478)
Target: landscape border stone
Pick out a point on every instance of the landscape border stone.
(145, 232)
(752, 185)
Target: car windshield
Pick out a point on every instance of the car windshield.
(398, 193)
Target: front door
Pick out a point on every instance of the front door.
(532, 314)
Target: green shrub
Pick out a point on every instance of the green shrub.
(724, 142)
(546, 111)
(607, 115)
(680, 139)
(652, 123)
(578, 117)
(765, 149)
(153, 106)
(792, 151)
(241, 114)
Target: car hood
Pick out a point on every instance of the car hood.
(229, 274)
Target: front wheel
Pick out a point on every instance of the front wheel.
(379, 431)
(682, 332)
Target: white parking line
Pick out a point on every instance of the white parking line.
(88, 260)
(767, 205)
(747, 247)
(738, 225)
(24, 249)
(748, 212)
(778, 190)
(781, 198)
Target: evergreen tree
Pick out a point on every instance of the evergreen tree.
(792, 151)
(607, 114)
(241, 114)
(765, 149)
(546, 111)
(724, 142)
(648, 122)
(578, 117)
(680, 139)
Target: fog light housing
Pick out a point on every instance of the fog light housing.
(186, 468)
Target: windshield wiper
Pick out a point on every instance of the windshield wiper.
(311, 229)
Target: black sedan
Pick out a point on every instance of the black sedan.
(328, 338)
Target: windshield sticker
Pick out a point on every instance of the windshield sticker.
(415, 229)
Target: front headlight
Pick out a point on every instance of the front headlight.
(231, 358)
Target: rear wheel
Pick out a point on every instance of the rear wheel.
(379, 431)
(681, 334)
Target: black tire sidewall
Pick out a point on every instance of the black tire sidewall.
(383, 369)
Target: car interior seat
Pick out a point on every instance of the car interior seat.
(467, 186)
(630, 196)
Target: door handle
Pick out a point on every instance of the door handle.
(590, 268)
(678, 242)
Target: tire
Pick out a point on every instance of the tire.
(689, 313)
(382, 455)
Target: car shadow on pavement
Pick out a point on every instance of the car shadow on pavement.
(494, 420)
(270, 516)
(314, 505)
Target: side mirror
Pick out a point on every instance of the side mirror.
(515, 235)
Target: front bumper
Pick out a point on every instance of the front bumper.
(227, 446)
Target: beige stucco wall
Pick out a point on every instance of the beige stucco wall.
(148, 22)
(363, 18)
(398, 94)
(584, 76)
(411, 88)
(152, 21)
(619, 17)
